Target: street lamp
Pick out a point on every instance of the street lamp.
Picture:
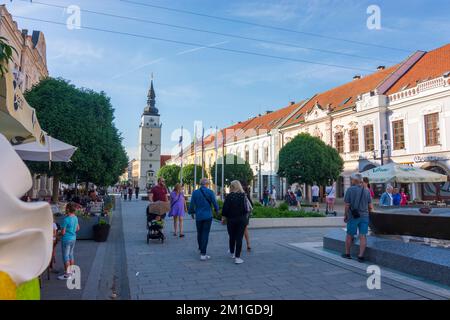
(258, 169)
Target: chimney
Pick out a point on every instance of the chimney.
(268, 111)
(379, 68)
(24, 33)
(357, 77)
(292, 103)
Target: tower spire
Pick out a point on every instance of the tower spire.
(151, 100)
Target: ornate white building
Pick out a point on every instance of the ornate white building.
(149, 142)
(399, 114)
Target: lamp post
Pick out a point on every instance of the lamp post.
(258, 169)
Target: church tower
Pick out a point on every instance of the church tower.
(149, 142)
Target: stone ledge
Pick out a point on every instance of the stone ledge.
(411, 258)
(257, 223)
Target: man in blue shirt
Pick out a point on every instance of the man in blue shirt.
(200, 207)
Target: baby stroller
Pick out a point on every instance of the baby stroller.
(155, 225)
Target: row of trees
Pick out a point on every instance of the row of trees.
(235, 169)
(305, 159)
(82, 118)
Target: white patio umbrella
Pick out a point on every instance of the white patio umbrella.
(54, 150)
(393, 172)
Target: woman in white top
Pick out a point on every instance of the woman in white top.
(331, 197)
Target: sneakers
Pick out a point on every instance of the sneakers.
(65, 276)
(232, 255)
(361, 259)
(238, 261)
(204, 257)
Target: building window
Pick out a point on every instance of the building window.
(339, 142)
(368, 138)
(266, 153)
(432, 129)
(247, 155)
(354, 142)
(256, 156)
(399, 135)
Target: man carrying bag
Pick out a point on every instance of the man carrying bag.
(200, 208)
(358, 204)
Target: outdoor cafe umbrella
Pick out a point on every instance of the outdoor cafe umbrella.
(18, 121)
(399, 173)
(54, 150)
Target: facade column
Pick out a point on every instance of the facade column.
(43, 186)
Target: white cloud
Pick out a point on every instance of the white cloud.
(281, 11)
(74, 51)
(132, 152)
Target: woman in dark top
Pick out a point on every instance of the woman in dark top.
(235, 212)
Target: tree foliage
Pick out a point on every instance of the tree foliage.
(82, 118)
(235, 169)
(6, 55)
(189, 173)
(171, 174)
(306, 159)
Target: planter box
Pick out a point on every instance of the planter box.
(86, 226)
(101, 232)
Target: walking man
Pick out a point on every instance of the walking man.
(315, 191)
(200, 208)
(136, 191)
(358, 204)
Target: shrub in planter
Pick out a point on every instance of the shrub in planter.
(101, 230)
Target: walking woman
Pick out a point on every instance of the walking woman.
(177, 209)
(235, 210)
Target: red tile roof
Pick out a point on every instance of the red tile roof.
(432, 65)
(164, 159)
(343, 96)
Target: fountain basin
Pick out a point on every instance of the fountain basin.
(410, 222)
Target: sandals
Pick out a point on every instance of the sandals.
(181, 235)
(249, 249)
(346, 256)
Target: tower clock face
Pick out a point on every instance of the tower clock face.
(150, 147)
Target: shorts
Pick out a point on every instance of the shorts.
(330, 200)
(315, 199)
(67, 250)
(360, 224)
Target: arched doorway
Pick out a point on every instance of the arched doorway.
(433, 191)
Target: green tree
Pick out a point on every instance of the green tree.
(188, 174)
(6, 55)
(170, 173)
(83, 118)
(235, 169)
(306, 159)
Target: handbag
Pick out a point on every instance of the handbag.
(355, 212)
(248, 207)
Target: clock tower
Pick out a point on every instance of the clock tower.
(149, 143)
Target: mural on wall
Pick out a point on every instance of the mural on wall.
(26, 235)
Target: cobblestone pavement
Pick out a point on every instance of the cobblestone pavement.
(273, 269)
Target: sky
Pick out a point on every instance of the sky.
(200, 83)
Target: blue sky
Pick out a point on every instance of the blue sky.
(218, 87)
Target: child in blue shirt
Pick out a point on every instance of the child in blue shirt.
(69, 229)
